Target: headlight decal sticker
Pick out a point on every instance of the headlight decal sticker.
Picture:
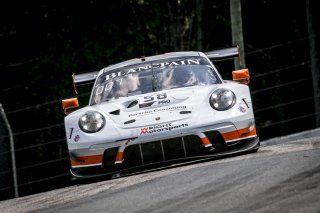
(71, 130)
(243, 105)
(246, 103)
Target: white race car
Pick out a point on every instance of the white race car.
(161, 108)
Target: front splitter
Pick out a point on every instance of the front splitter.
(117, 172)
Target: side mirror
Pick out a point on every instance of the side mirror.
(68, 104)
(241, 76)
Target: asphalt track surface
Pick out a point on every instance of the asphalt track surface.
(280, 177)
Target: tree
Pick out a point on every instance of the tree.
(237, 35)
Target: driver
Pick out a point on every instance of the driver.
(183, 76)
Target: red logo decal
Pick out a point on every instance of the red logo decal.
(143, 130)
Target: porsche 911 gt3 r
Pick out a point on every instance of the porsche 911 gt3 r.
(159, 109)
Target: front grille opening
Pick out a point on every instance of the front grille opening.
(132, 156)
(152, 152)
(164, 150)
(109, 157)
(173, 148)
(194, 146)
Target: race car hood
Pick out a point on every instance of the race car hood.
(154, 108)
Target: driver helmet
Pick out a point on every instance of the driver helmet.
(183, 75)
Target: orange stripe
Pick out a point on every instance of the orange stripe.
(205, 141)
(86, 160)
(119, 156)
(245, 132)
(238, 134)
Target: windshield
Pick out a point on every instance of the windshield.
(153, 76)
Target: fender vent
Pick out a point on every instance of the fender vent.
(130, 121)
(133, 103)
(185, 112)
(116, 112)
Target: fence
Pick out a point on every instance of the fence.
(283, 103)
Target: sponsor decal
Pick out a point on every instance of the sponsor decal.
(71, 130)
(158, 110)
(143, 130)
(76, 138)
(190, 61)
(172, 108)
(245, 102)
(164, 102)
(242, 109)
(149, 100)
(161, 128)
(244, 105)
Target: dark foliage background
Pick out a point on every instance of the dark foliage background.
(42, 43)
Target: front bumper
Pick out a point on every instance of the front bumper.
(184, 148)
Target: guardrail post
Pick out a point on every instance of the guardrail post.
(12, 150)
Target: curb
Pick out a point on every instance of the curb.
(297, 136)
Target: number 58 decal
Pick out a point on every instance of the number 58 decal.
(154, 97)
(149, 100)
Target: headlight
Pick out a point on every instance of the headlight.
(222, 99)
(91, 122)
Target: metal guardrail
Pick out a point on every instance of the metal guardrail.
(12, 151)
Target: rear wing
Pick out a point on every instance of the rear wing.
(222, 54)
(84, 79)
